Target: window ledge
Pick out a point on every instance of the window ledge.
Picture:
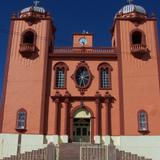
(144, 131)
(21, 130)
(108, 88)
(64, 88)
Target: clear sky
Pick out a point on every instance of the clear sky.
(95, 16)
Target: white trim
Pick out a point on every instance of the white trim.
(64, 139)
(97, 139)
(106, 140)
(32, 142)
(29, 142)
(147, 146)
(52, 139)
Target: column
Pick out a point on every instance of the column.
(97, 117)
(97, 136)
(66, 108)
(107, 119)
(55, 131)
(71, 129)
(65, 118)
(109, 100)
(55, 137)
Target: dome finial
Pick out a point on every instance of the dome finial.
(34, 7)
(36, 3)
(130, 1)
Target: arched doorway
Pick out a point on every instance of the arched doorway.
(82, 125)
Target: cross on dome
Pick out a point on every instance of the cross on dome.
(130, 1)
(36, 3)
(34, 7)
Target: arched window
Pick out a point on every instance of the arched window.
(28, 37)
(142, 121)
(104, 76)
(21, 119)
(60, 75)
(60, 78)
(138, 37)
(28, 44)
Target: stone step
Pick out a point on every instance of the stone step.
(69, 151)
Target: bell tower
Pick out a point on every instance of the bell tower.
(30, 42)
(135, 35)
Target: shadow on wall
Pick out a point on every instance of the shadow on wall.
(142, 56)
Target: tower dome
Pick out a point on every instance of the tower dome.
(33, 8)
(34, 13)
(130, 9)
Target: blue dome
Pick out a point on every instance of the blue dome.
(131, 8)
(33, 8)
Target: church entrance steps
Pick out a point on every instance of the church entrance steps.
(47, 153)
(77, 151)
(110, 152)
(69, 151)
(87, 151)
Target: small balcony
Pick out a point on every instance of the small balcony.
(27, 49)
(139, 49)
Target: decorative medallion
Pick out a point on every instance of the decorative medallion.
(82, 77)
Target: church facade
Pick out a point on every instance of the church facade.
(82, 93)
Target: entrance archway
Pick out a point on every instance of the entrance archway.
(82, 125)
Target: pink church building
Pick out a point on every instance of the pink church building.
(82, 93)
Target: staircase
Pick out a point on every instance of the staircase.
(70, 151)
(110, 152)
(47, 153)
(75, 151)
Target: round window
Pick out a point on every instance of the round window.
(82, 77)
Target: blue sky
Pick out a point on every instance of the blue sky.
(95, 16)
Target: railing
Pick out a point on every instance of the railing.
(93, 152)
(110, 152)
(97, 50)
(139, 48)
(47, 153)
(87, 152)
(27, 47)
